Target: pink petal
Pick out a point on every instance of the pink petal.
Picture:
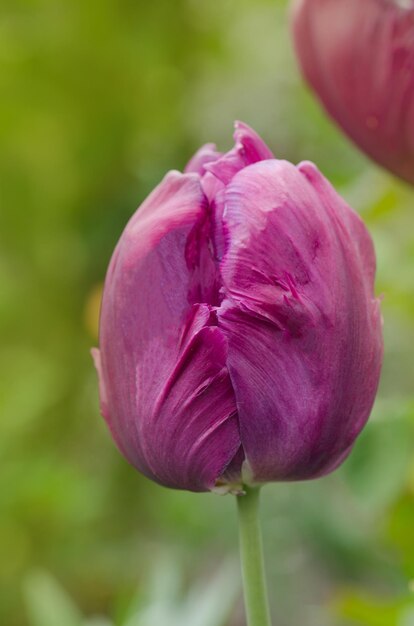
(206, 154)
(168, 398)
(249, 148)
(301, 320)
(358, 56)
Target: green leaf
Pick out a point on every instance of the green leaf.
(97, 621)
(47, 604)
(205, 604)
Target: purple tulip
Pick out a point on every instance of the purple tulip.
(240, 340)
(358, 56)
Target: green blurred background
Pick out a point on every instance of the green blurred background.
(98, 99)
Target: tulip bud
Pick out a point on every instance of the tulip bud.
(240, 340)
(358, 56)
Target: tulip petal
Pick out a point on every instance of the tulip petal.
(249, 148)
(168, 397)
(192, 434)
(302, 324)
(204, 155)
(359, 59)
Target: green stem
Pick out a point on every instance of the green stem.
(251, 553)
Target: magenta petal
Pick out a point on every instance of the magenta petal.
(167, 395)
(191, 435)
(301, 320)
(206, 154)
(103, 397)
(358, 56)
(249, 148)
(250, 145)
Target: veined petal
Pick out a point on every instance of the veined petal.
(152, 358)
(250, 144)
(301, 320)
(191, 435)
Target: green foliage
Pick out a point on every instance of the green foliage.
(48, 604)
(205, 604)
(371, 611)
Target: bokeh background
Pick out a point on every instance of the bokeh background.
(98, 99)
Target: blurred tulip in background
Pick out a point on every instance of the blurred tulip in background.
(358, 57)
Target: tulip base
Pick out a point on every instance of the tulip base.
(252, 561)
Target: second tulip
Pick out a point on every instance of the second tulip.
(358, 56)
